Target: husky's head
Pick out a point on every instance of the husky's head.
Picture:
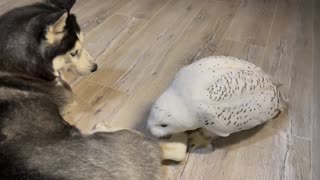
(74, 56)
(42, 39)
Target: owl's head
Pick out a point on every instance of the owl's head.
(169, 115)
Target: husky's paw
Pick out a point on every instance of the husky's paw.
(198, 139)
(100, 127)
(174, 148)
(175, 151)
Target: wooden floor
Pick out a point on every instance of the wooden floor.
(140, 44)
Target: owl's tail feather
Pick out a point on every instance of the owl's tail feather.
(284, 103)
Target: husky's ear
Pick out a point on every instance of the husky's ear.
(59, 24)
(55, 29)
(62, 4)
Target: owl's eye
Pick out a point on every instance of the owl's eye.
(164, 125)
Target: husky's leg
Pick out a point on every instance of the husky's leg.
(102, 127)
(174, 148)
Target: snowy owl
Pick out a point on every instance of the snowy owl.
(221, 95)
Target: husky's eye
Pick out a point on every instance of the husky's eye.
(74, 53)
(164, 125)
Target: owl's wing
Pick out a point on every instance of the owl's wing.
(239, 113)
(218, 62)
(219, 78)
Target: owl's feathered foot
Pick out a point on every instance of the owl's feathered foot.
(200, 139)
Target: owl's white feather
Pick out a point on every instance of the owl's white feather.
(221, 94)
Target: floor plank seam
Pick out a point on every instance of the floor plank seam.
(290, 134)
(313, 89)
(105, 50)
(272, 22)
(226, 32)
(286, 155)
(164, 55)
(115, 37)
(198, 54)
(160, 9)
(144, 25)
(179, 37)
(108, 87)
(211, 37)
(132, 36)
(130, 17)
(184, 165)
(140, 29)
(107, 17)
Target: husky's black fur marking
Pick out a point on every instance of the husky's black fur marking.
(63, 4)
(35, 141)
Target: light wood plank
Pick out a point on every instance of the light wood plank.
(298, 3)
(83, 91)
(225, 12)
(316, 98)
(101, 108)
(86, 90)
(174, 170)
(259, 4)
(130, 65)
(300, 94)
(143, 9)
(74, 112)
(94, 12)
(252, 23)
(288, 58)
(101, 37)
(247, 52)
(123, 36)
(261, 153)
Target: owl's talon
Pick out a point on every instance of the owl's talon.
(194, 147)
(198, 140)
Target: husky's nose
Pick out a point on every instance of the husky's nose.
(94, 68)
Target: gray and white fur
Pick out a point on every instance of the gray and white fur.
(36, 42)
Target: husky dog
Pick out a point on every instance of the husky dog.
(36, 43)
